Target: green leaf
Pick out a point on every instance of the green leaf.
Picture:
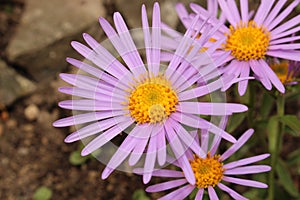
(140, 195)
(272, 129)
(292, 122)
(42, 193)
(285, 178)
(234, 121)
(294, 157)
(76, 158)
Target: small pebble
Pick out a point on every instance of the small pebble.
(31, 112)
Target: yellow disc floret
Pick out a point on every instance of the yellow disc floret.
(152, 100)
(208, 171)
(248, 41)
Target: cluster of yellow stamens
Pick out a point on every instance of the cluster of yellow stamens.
(208, 171)
(152, 100)
(248, 41)
(281, 69)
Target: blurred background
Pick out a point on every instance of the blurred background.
(35, 38)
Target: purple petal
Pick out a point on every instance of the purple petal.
(245, 182)
(150, 158)
(244, 10)
(246, 161)
(287, 25)
(161, 147)
(199, 194)
(90, 105)
(256, 68)
(166, 185)
(263, 10)
(231, 192)
(210, 108)
(254, 169)
(274, 12)
(227, 11)
(240, 142)
(234, 11)
(285, 54)
(212, 193)
(283, 15)
(105, 137)
(284, 40)
(182, 14)
(156, 39)
(272, 76)
(178, 194)
(286, 33)
(168, 173)
(245, 71)
(284, 47)
(87, 117)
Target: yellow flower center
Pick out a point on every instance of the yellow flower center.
(208, 171)
(152, 100)
(248, 41)
(281, 70)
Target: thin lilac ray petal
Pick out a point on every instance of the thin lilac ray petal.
(179, 194)
(121, 154)
(212, 193)
(244, 182)
(286, 33)
(254, 169)
(110, 63)
(204, 140)
(283, 15)
(187, 139)
(147, 37)
(150, 158)
(217, 139)
(225, 9)
(90, 105)
(197, 122)
(204, 108)
(182, 14)
(274, 12)
(231, 192)
(244, 10)
(256, 68)
(168, 173)
(285, 40)
(273, 77)
(86, 117)
(166, 185)
(91, 94)
(246, 161)
(105, 137)
(139, 149)
(128, 43)
(203, 90)
(199, 195)
(156, 39)
(284, 47)
(94, 128)
(263, 10)
(287, 25)
(245, 72)
(234, 10)
(161, 147)
(235, 147)
(284, 54)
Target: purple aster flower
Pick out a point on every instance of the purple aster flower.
(211, 171)
(287, 71)
(252, 40)
(152, 103)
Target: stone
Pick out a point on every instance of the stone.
(31, 112)
(42, 40)
(13, 85)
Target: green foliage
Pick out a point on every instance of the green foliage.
(292, 122)
(272, 128)
(42, 193)
(75, 158)
(235, 121)
(140, 195)
(286, 179)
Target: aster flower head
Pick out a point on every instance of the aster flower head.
(287, 71)
(254, 37)
(153, 104)
(211, 171)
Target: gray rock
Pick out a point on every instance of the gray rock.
(42, 39)
(13, 85)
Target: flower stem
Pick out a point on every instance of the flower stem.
(280, 103)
